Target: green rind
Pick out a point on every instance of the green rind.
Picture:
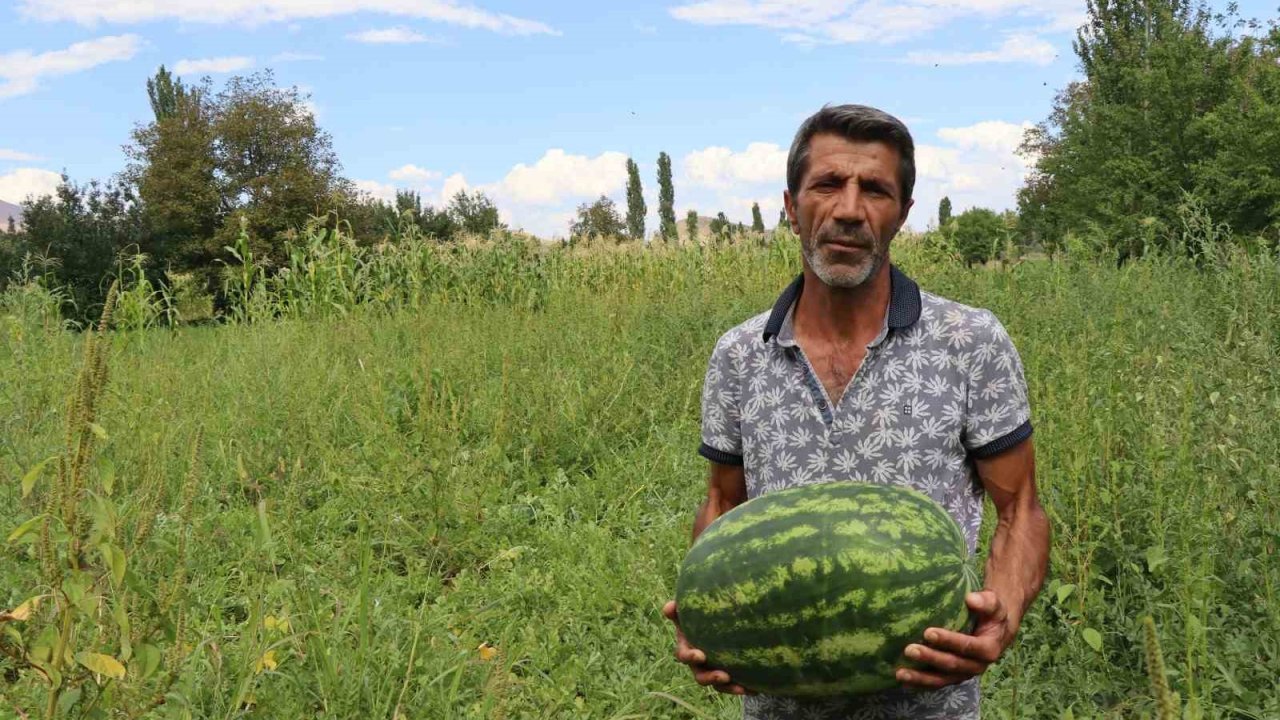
(817, 590)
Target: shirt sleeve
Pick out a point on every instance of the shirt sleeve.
(997, 410)
(721, 417)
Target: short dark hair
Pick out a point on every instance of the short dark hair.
(858, 123)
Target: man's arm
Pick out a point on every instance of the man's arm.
(1016, 568)
(726, 489)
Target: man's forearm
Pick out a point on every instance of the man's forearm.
(1019, 557)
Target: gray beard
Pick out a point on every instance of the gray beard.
(841, 275)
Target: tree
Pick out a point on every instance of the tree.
(691, 225)
(635, 202)
(1119, 148)
(174, 169)
(720, 227)
(86, 228)
(599, 219)
(976, 232)
(166, 94)
(783, 220)
(757, 220)
(276, 167)
(474, 213)
(944, 211)
(666, 200)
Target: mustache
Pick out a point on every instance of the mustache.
(846, 236)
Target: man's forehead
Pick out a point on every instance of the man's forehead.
(832, 153)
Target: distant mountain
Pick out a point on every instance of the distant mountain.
(9, 210)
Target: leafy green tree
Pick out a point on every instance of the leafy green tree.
(944, 211)
(276, 167)
(474, 213)
(1120, 147)
(691, 225)
(757, 220)
(174, 169)
(167, 95)
(666, 199)
(720, 227)
(86, 228)
(635, 202)
(977, 234)
(783, 220)
(599, 219)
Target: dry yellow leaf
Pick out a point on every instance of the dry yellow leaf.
(487, 652)
(266, 662)
(23, 611)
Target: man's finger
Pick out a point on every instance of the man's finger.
(987, 603)
(927, 680)
(669, 611)
(986, 649)
(946, 662)
(689, 655)
(733, 689)
(710, 677)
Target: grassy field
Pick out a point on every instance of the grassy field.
(475, 509)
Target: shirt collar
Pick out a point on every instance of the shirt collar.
(904, 306)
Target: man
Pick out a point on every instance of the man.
(856, 374)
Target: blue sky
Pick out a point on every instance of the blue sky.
(539, 104)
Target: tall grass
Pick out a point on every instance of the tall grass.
(463, 493)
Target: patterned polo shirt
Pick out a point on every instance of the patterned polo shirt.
(940, 385)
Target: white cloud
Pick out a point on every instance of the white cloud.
(16, 156)
(285, 57)
(992, 136)
(558, 176)
(818, 22)
(382, 191)
(452, 185)
(28, 182)
(22, 70)
(254, 12)
(413, 173)
(976, 166)
(720, 167)
(399, 35)
(1015, 48)
(212, 65)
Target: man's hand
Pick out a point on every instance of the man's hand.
(954, 657)
(696, 659)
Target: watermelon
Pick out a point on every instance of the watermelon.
(816, 590)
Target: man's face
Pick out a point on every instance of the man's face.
(848, 208)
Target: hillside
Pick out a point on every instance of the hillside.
(9, 210)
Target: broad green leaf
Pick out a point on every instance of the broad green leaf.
(113, 558)
(25, 528)
(1064, 592)
(101, 664)
(121, 617)
(107, 475)
(1093, 639)
(148, 660)
(68, 701)
(1155, 558)
(29, 480)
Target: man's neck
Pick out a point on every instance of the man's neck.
(845, 316)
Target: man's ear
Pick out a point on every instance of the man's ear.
(791, 211)
(905, 211)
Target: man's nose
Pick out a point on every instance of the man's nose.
(849, 206)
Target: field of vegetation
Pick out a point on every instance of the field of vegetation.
(464, 493)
